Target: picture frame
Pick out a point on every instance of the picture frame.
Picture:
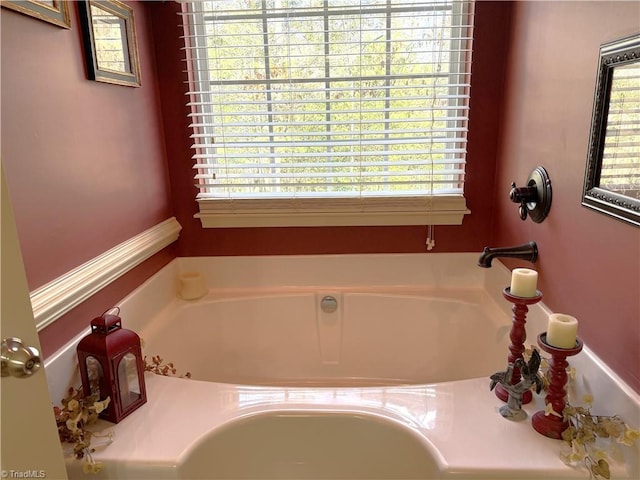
(110, 42)
(613, 119)
(51, 11)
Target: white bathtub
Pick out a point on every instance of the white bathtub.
(393, 384)
(376, 336)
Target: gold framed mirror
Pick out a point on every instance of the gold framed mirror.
(51, 11)
(612, 177)
(110, 42)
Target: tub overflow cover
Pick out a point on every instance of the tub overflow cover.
(329, 304)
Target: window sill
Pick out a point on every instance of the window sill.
(312, 212)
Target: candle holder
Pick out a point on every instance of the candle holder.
(551, 425)
(517, 336)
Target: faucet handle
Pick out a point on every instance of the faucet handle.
(523, 195)
(522, 211)
(535, 198)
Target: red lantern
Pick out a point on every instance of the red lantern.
(111, 365)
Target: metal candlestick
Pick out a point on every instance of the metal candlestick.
(518, 335)
(551, 425)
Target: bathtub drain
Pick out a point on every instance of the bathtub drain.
(329, 304)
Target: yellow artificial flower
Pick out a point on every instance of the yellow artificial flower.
(578, 451)
(100, 406)
(548, 410)
(89, 466)
(72, 425)
(614, 428)
(629, 437)
(575, 455)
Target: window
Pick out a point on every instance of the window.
(329, 112)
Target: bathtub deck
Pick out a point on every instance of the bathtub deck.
(457, 421)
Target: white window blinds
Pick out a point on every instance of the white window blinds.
(322, 105)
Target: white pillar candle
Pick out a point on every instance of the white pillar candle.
(191, 286)
(524, 282)
(562, 330)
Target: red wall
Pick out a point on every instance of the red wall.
(489, 51)
(84, 160)
(88, 163)
(70, 324)
(589, 264)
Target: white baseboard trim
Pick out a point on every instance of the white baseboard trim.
(59, 296)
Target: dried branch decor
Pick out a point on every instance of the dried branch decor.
(79, 412)
(73, 418)
(592, 440)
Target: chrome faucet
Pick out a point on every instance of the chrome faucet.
(526, 251)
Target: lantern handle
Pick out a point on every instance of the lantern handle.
(117, 309)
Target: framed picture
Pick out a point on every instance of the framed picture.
(52, 11)
(110, 43)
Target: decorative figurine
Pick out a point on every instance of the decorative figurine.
(529, 372)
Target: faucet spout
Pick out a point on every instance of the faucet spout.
(526, 251)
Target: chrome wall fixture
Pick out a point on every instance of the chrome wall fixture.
(535, 197)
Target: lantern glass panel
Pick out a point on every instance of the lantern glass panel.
(95, 375)
(128, 380)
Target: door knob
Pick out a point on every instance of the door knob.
(18, 360)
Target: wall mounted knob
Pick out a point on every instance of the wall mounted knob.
(535, 197)
(18, 360)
